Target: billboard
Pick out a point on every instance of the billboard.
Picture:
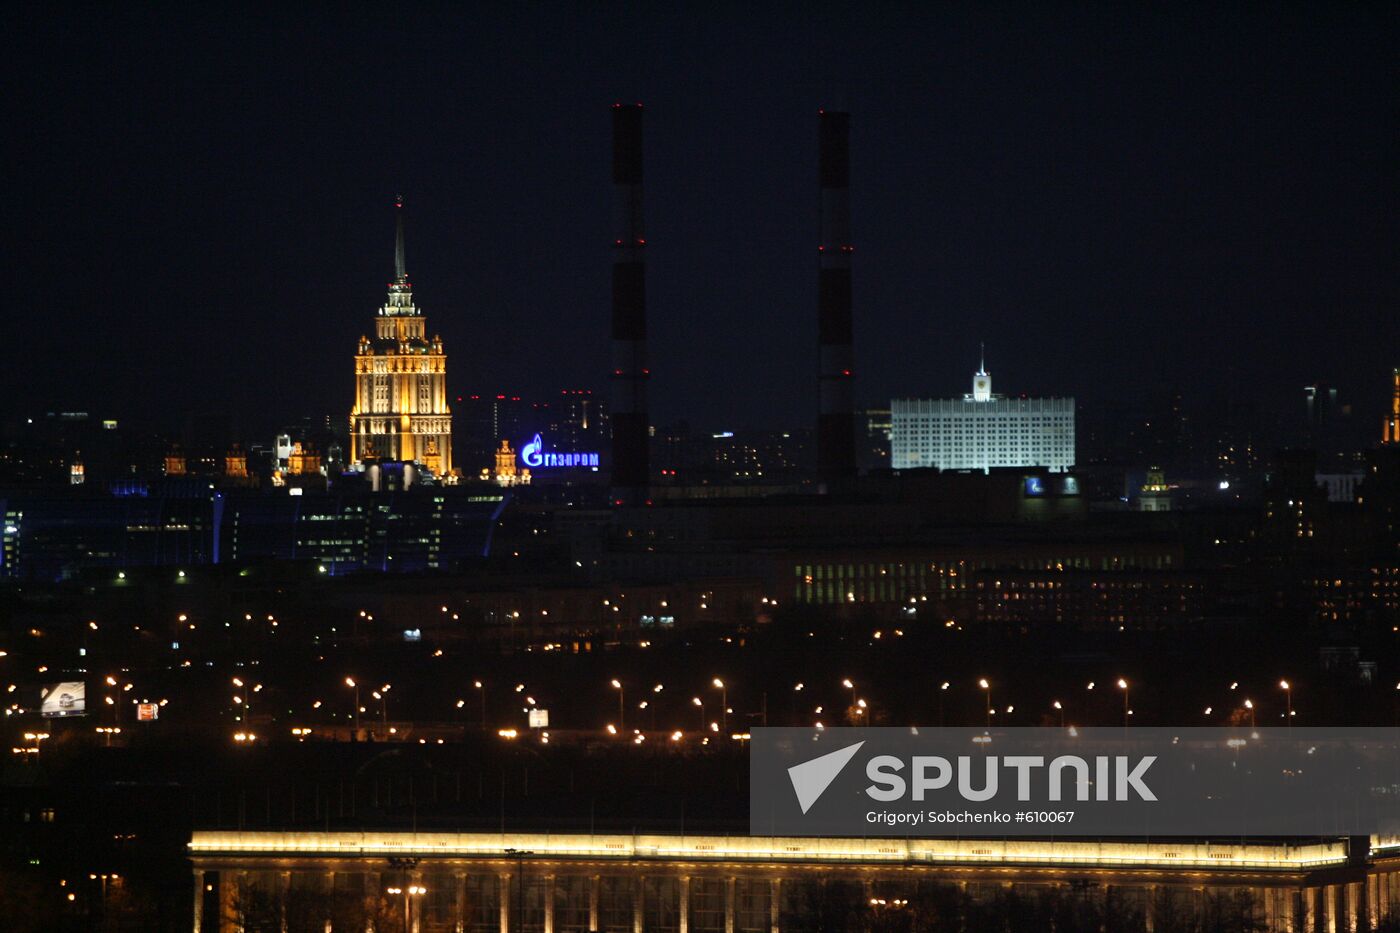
(147, 712)
(539, 719)
(64, 699)
(534, 455)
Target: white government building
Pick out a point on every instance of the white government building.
(981, 430)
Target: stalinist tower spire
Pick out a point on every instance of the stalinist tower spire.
(401, 411)
(400, 290)
(400, 271)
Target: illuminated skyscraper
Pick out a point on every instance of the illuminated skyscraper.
(401, 410)
(1391, 433)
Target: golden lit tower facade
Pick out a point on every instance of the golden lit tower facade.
(401, 408)
(1391, 433)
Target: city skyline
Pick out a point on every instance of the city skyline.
(700, 469)
(1105, 238)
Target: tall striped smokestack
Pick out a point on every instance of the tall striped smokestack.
(836, 424)
(630, 469)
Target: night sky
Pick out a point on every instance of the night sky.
(198, 204)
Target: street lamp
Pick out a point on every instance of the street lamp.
(350, 682)
(382, 695)
(1249, 705)
(723, 701)
(701, 704)
(1123, 685)
(621, 709)
(1061, 708)
(412, 891)
(243, 709)
(37, 738)
(116, 707)
(519, 856)
(987, 687)
(1288, 695)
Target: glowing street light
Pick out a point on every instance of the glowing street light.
(410, 892)
(621, 709)
(353, 685)
(982, 682)
(382, 695)
(1287, 689)
(1123, 685)
(723, 701)
(480, 688)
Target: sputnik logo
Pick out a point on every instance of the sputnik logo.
(811, 778)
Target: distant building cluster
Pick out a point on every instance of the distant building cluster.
(757, 458)
(183, 524)
(573, 429)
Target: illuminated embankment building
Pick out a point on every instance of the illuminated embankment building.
(538, 883)
(400, 410)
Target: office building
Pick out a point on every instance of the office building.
(982, 431)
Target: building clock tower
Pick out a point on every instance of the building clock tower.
(400, 410)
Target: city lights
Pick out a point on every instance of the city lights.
(271, 512)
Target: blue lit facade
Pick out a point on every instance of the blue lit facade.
(56, 537)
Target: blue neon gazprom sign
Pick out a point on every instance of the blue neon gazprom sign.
(534, 456)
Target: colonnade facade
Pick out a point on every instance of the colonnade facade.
(502, 884)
